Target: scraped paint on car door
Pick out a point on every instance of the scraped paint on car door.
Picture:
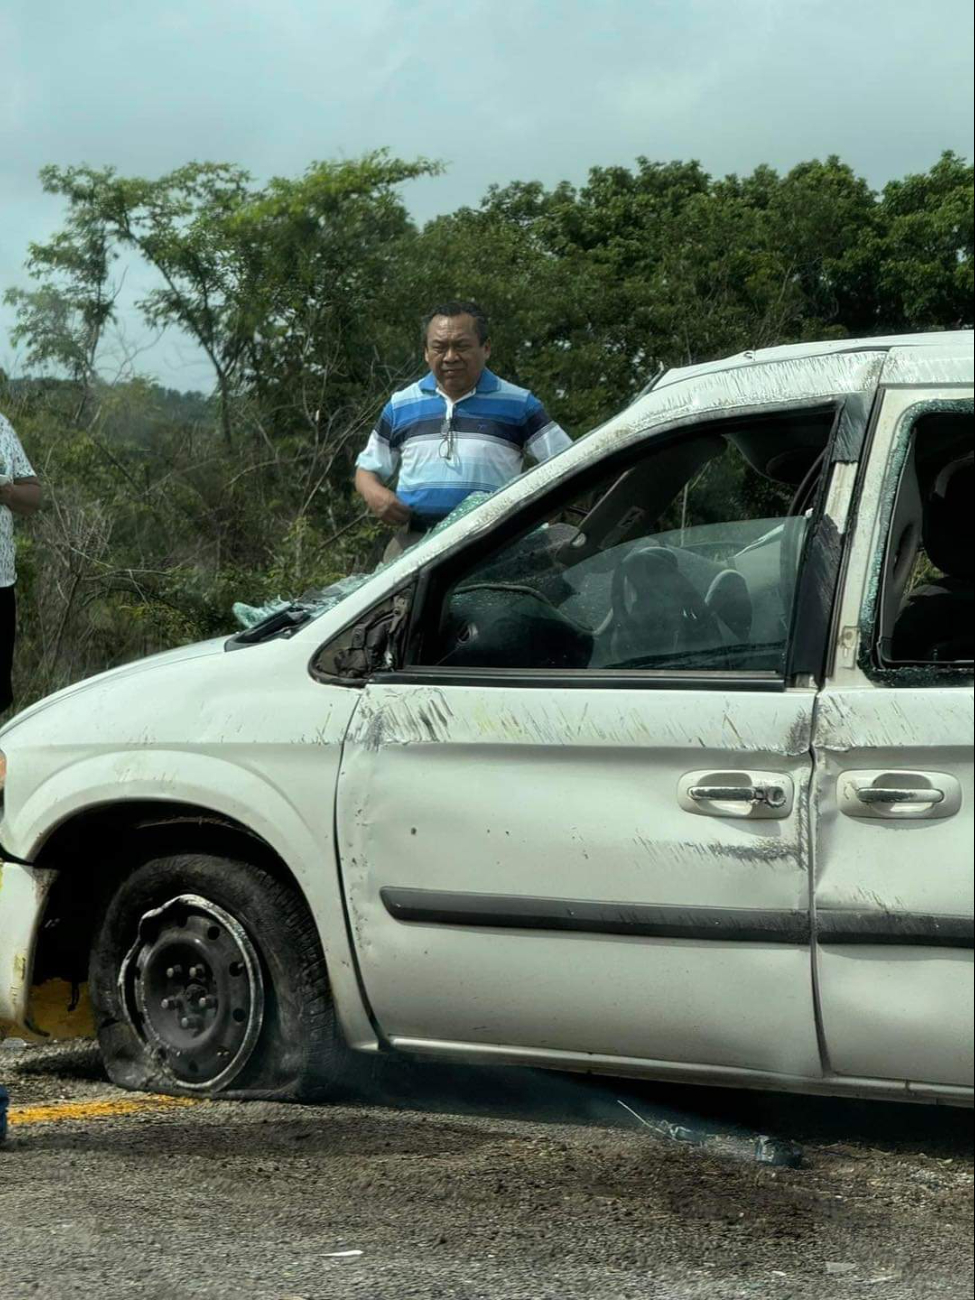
(522, 871)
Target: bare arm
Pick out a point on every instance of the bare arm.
(22, 497)
(383, 503)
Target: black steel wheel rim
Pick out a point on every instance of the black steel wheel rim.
(192, 988)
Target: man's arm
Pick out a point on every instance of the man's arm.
(543, 437)
(377, 465)
(383, 502)
(22, 496)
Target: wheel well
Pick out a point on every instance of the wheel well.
(93, 850)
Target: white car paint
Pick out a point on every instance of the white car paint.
(358, 789)
(569, 795)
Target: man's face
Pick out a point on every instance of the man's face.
(455, 354)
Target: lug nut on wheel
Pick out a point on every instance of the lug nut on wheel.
(173, 972)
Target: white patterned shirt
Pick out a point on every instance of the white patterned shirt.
(13, 461)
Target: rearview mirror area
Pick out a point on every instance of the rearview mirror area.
(371, 644)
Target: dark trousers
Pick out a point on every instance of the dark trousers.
(408, 535)
(401, 541)
(8, 634)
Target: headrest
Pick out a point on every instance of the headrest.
(763, 450)
(948, 518)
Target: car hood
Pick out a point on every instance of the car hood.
(166, 659)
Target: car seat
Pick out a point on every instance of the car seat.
(936, 623)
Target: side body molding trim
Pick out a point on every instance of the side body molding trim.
(645, 921)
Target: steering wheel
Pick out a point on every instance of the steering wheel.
(504, 634)
(657, 613)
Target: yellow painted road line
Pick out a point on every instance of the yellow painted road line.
(61, 1111)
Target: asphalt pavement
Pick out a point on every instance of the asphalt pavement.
(474, 1185)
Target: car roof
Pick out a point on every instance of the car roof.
(953, 339)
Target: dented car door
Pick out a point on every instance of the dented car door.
(524, 870)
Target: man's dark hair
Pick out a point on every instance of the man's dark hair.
(457, 307)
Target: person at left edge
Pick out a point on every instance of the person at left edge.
(20, 494)
(458, 430)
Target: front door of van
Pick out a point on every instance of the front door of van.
(578, 822)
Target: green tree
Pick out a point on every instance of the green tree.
(924, 251)
(63, 320)
(276, 284)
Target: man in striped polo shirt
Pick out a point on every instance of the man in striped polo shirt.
(458, 430)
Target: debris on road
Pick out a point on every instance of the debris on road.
(778, 1152)
(760, 1148)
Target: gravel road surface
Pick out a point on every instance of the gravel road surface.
(463, 1185)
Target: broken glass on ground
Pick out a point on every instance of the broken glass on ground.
(725, 1140)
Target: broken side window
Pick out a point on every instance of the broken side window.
(687, 559)
(924, 613)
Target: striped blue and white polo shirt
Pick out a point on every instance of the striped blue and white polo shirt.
(441, 450)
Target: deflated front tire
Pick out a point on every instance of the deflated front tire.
(207, 978)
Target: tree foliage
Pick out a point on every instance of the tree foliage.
(305, 295)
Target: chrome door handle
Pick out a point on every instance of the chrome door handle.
(898, 795)
(756, 795)
(878, 794)
(772, 796)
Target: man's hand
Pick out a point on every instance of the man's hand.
(383, 503)
(390, 509)
(21, 496)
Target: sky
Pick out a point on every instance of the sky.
(499, 90)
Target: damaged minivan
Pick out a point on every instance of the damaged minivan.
(657, 762)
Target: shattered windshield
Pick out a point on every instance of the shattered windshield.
(260, 621)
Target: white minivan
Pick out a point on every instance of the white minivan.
(656, 762)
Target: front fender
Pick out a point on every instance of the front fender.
(169, 775)
(284, 793)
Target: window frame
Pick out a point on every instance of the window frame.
(873, 535)
(819, 566)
